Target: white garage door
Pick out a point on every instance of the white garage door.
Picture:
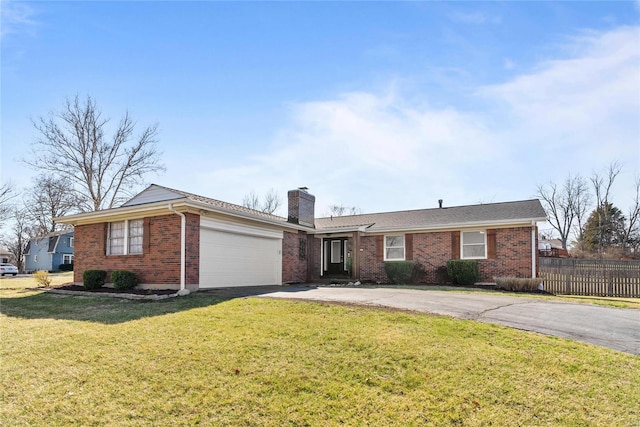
(231, 258)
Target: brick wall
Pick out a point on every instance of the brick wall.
(294, 264)
(513, 255)
(160, 263)
(432, 250)
(370, 268)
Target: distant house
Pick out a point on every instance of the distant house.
(49, 252)
(552, 248)
(174, 239)
(5, 255)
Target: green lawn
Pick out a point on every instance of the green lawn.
(14, 283)
(197, 360)
(605, 301)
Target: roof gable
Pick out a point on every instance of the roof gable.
(153, 193)
(153, 198)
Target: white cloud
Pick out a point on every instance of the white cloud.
(368, 150)
(589, 103)
(380, 152)
(16, 17)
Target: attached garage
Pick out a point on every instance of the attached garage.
(233, 254)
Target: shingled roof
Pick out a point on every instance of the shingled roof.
(508, 212)
(156, 192)
(482, 215)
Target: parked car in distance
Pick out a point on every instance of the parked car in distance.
(8, 269)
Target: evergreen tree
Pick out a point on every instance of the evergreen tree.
(604, 229)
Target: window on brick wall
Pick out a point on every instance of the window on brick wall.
(125, 237)
(136, 232)
(474, 244)
(394, 248)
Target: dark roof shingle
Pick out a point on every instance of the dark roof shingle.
(525, 210)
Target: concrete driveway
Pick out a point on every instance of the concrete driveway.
(610, 327)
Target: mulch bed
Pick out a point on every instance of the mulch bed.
(118, 291)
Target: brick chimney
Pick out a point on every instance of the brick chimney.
(301, 207)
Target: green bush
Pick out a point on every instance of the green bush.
(66, 267)
(441, 275)
(94, 279)
(123, 279)
(517, 284)
(462, 272)
(399, 272)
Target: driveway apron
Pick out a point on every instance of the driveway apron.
(615, 328)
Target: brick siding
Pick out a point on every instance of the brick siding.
(160, 263)
(432, 250)
(294, 263)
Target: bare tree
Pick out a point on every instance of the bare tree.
(602, 184)
(545, 234)
(631, 231)
(342, 210)
(251, 201)
(269, 204)
(50, 197)
(564, 204)
(18, 238)
(73, 144)
(581, 205)
(7, 192)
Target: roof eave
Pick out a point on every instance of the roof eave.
(243, 215)
(97, 216)
(471, 224)
(161, 208)
(334, 230)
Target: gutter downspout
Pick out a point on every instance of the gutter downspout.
(533, 249)
(183, 237)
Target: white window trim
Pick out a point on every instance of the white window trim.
(70, 242)
(384, 247)
(484, 234)
(67, 256)
(125, 250)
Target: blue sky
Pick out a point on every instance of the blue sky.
(381, 105)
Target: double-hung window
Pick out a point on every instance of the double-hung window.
(136, 232)
(394, 248)
(474, 244)
(125, 237)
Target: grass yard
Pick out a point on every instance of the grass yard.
(619, 302)
(23, 282)
(197, 360)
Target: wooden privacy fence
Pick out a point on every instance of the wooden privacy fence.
(604, 278)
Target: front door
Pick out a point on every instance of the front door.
(334, 256)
